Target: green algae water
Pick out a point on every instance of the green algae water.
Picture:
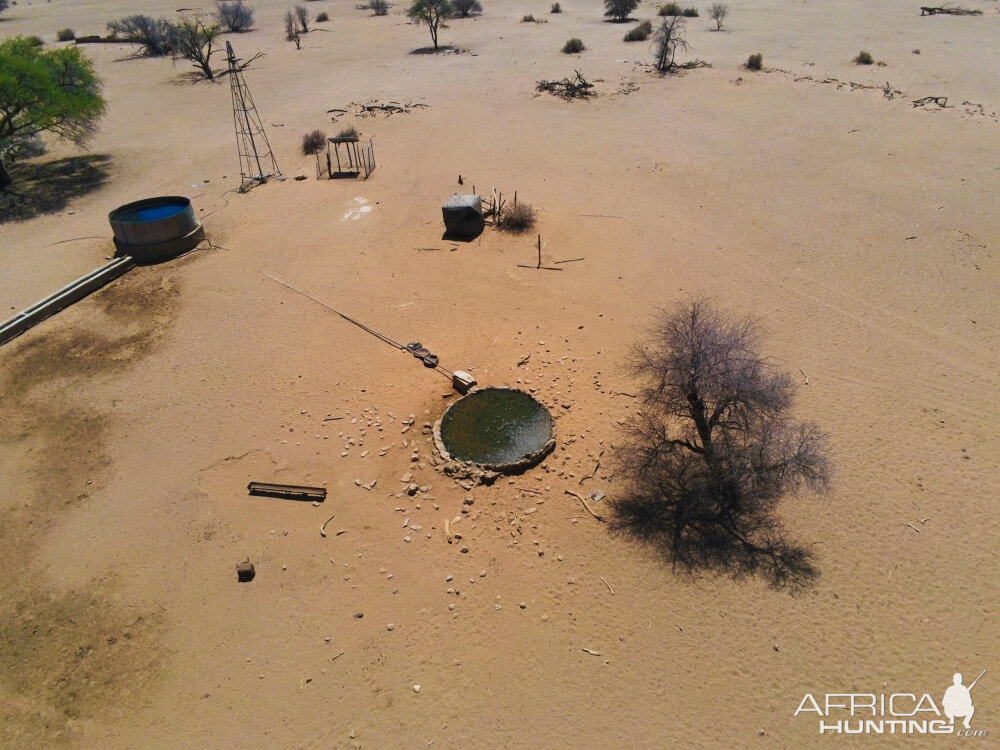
(496, 426)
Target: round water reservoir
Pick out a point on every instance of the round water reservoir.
(501, 429)
(156, 229)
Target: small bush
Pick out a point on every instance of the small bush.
(556, 8)
(528, 19)
(464, 8)
(864, 58)
(235, 17)
(755, 62)
(348, 132)
(65, 35)
(379, 7)
(150, 35)
(640, 33)
(690, 12)
(573, 45)
(670, 9)
(314, 142)
(35, 41)
(718, 13)
(322, 17)
(518, 218)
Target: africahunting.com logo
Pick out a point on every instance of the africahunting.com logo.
(896, 713)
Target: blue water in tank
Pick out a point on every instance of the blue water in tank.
(150, 213)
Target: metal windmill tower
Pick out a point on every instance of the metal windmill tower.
(257, 163)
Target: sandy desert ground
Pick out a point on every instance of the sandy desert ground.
(861, 230)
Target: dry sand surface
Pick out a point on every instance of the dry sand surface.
(860, 229)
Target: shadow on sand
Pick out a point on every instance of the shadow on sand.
(740, 547)
(44, 187)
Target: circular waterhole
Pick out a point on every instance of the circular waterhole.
(501, 429)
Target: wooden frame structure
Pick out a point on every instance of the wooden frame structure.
(354, 161)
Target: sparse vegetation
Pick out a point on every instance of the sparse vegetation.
(718, 13)
(517, 218)
(234, 17)
(670, 9)
(573, 45)
(432, 13)
(349, 132)
(379, 7)
(54, 91)
(292, 30)
(314, 142)
(864, 58)
(619, 10)
(576, 87)
(755, 62)
(690, 13)
(528, 19)
(302, 16)
(65, 35)
(465, 8)
(556, 8)
(322, 17)
(667, 42)
(640, 33)
(150, 35)
(713, 449)
(192, 39)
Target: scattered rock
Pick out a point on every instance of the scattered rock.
(416, 688)
(245, 571)
(358, 615)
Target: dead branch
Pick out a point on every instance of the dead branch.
(568, 88)
(949, 10)
(586, 507)
(941, 101)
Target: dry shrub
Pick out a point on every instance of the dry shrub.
(314, 142)
(517, 218)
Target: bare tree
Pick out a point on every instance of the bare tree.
(619, 10)
(714, 448)
(667, 41)
(718, 13)
(235, 17)
(193, 39)
(433, 13)
(150, 35)
(292, 30)
(302, 15)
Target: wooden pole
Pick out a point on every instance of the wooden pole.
(539, 251)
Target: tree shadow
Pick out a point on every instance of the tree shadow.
(743, 547)
(44, 187)
(443, 49)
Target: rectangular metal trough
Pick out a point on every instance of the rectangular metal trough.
(289, 491)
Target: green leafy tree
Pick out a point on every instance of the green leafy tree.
(619, 10)
(44, 91)
(433, 13)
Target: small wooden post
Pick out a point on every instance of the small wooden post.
(539, 251)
